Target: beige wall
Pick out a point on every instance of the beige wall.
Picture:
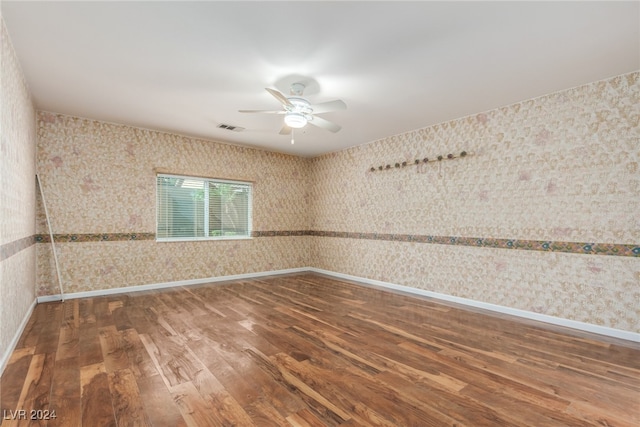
(99, 178)
(561, 168)
(548, 186)
(17, 196)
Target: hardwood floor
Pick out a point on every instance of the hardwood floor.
(309, 350)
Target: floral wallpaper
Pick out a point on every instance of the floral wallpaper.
(540, 174)
(539, 215)
(99, 183)
(17, 196)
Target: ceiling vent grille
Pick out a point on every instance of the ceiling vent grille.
(230, 127)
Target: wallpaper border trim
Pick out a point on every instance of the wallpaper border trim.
(94, 237)
(8, 250)
(586, 248)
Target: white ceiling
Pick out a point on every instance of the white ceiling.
(186, 67)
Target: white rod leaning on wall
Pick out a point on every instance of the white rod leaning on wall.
(53, 245)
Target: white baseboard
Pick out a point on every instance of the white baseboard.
(154, 286)
(16, 337)
(582, 326)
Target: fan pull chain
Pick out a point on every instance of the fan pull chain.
(292, 140)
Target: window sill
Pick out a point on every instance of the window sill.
(202, 239)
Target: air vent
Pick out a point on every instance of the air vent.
(230, 127)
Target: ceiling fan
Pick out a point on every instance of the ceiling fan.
(298, 111)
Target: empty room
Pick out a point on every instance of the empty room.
(322, 213)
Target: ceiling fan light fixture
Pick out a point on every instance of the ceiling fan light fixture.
(298, 111)
(295, 120)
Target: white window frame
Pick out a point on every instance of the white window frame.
(206, 182)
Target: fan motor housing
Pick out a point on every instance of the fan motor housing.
(300, 105)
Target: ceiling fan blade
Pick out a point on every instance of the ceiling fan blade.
(263, 111)
(324, 124)
(280, 97)
(325, 107)
(286, 130)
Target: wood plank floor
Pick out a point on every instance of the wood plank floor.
(309, 350)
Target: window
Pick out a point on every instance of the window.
(191, 208)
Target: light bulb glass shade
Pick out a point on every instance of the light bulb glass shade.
(295, 120)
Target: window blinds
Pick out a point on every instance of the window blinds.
(191, 208)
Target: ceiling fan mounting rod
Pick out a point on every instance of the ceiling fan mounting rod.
(297, 89)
